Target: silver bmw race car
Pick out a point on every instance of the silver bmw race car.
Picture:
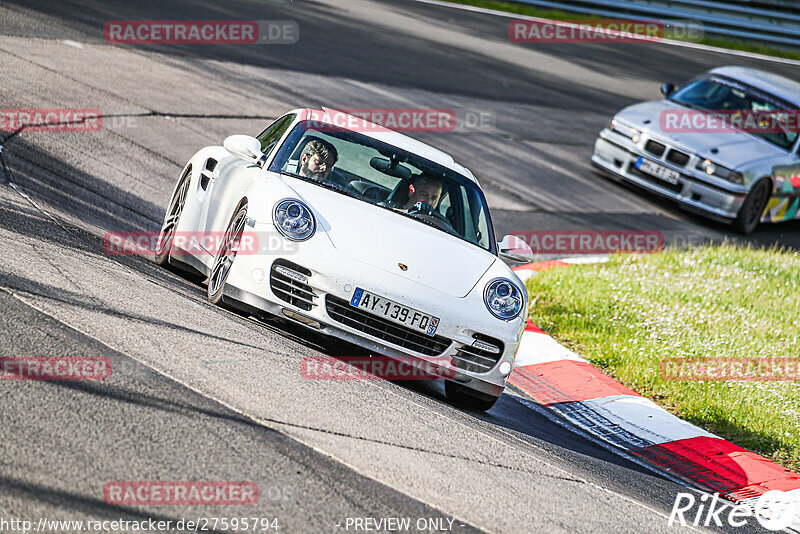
(725, 145)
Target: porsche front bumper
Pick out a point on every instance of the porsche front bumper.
(462, 320)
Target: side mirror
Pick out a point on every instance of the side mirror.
(667, 89)
(245, 147)
(515, 248)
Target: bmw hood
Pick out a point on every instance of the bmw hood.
(733, 149)
(383, 239)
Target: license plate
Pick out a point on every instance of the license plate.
(394, 311)
(659, 171)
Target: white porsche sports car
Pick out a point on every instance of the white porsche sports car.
(388, 245)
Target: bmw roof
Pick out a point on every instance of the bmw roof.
(779, 86)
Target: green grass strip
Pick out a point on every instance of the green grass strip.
(713, 302)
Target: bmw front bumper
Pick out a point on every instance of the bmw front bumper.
(616, 156)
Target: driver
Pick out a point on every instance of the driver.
(426, 189)
(317, 160)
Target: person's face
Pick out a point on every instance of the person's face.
(429, 192)
(315, 167)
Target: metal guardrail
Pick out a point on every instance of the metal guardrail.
(740, 20)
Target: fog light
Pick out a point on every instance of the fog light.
(505, 368)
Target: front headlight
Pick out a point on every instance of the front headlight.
(623, 129)
(503, 298)
(709, 167)
(294, 220)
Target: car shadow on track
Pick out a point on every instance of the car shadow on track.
(511, 413)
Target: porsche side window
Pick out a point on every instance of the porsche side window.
(270, 137)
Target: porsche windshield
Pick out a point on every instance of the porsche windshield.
(386, 176)
(720, 94)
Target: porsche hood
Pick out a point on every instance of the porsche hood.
(389, 241)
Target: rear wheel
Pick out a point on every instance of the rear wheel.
(465, 397)
(753, 207)
(225, 256)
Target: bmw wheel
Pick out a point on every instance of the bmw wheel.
(753, 207)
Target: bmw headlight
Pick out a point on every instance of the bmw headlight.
(503, 298)
(623, 129)
(709, 167)
(294, 220)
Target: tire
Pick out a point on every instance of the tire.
(225, 257)
(753, 207)
(464, 397)
(171, 219)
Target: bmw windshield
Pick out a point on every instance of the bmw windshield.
(383, 175)
(713, 93)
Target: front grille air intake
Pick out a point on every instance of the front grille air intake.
(289, 282)
(655, 148)
(479, 357)
(341, 311)
(678, 158)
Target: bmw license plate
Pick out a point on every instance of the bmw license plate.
(659, 171)
(394, 311)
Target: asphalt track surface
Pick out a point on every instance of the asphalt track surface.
(198, 393)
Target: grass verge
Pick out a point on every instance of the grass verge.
(717, 301)
(555, 14)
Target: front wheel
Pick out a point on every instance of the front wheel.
(171, 219)
(225, 256)
(753, 207)
(464, 397)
